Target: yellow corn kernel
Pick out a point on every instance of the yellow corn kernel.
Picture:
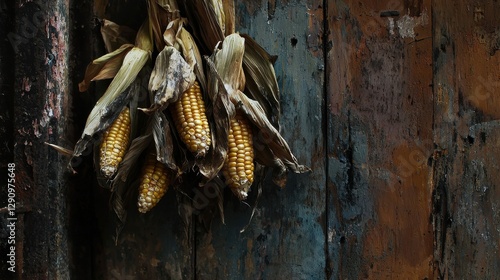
(238, 168)
(115, 143)
(191, 121)
(155, 180)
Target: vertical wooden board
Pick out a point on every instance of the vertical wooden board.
(379, 139)
(41, 114)
(285, 239)
(466, 81)
(6, 120)
(155, 245)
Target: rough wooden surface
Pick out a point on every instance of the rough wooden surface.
(286, 237)
(39, 39)
(392, 103)
(466, 106)
(379, 139)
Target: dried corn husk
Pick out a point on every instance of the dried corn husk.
(124, 184)
(261, 83)
(219, 111)
(218, 9)
(238, 75)
(228, 6)
(161, 12)
(59, 149)
(171, 76)
(203, 20)
(269, 135)
(100, 8)
(115, 36)
(119, 92)
(105, 67)
(178, 37)
(228, 62)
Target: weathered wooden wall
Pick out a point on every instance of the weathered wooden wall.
(393, 104)
(466, 175)
(380, 115)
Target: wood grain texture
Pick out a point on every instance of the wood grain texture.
(393, 104)
(6, 117)
(466, 108)
(155, 245)
(285, 239)
(379, 140)
(41, 110)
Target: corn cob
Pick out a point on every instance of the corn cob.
(155, 180)
(115, 143)
(191, 121)
(238, 168)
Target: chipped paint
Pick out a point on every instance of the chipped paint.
(407, 24)
(331, 235)
(26, 84)
(391, 26)
(36, 128)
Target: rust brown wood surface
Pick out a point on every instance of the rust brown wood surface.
(466, 107)
(394, 105)
(380, 117)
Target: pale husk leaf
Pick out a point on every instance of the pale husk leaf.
(133, 62)
(114, 99)
(105, 67)
(228, 62)
(144, 37)
(59, 149)
(171, 76)
(115, 35)
(178, 37)
(218, 8)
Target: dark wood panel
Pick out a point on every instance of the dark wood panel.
(379, 139)
(155, 245)
(285, 239)
(6, 119)
(466, 104)
(41, 114)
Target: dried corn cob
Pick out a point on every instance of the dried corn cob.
(155, 179)
(239, 167)
(191, 121)
(115, 143)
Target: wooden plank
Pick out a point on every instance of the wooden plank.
(41, 114)
(285, 239)
(6, 121)
(379, 139)
(155, 245)
(466, 177)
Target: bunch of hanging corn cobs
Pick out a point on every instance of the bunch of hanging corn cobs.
(210, 108)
